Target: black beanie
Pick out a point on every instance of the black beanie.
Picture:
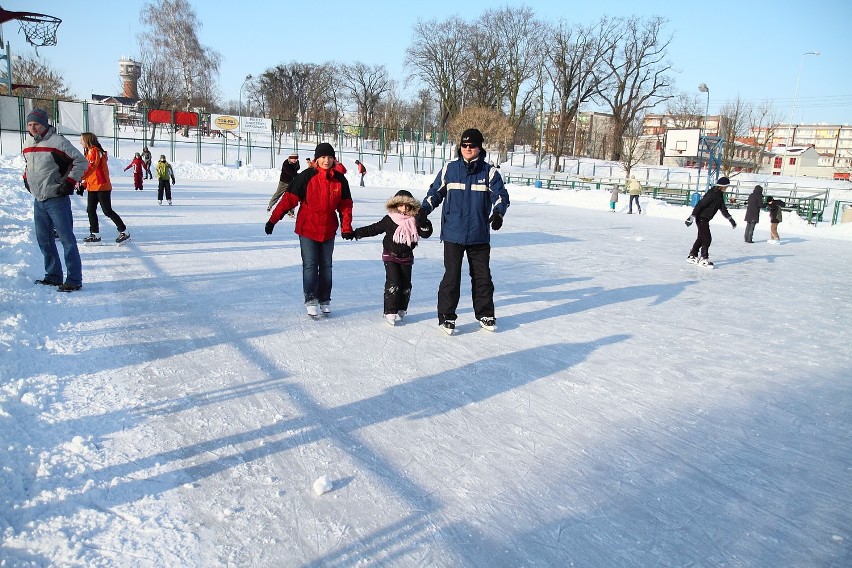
(472, 136)
(323, 149)
(723, 182)
(403, 193)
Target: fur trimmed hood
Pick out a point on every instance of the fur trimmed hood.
(402, 197)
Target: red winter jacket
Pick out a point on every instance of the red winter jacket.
(321, 195)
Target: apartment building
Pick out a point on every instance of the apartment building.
(832, 143)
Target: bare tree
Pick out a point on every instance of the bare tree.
(156, 83)
(495, 127)
(172, 35)
(735, 122)
(686, 110)
(46, 82)
(634, 147)
(366, 86)
(437, 55)
(518, 61)
(576, 68)
(638, 79)
(765, 119)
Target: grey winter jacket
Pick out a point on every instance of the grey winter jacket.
(755, 203)
(51, 159)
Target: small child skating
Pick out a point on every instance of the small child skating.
(138, 166)
(613, 198)
(164, 174)
(402, 231)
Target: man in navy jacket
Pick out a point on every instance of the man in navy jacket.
(474, 203)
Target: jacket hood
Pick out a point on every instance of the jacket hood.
(398, 200)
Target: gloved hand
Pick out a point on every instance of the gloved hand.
(173, 181)
(733, 223)
(689, 220)
(81, 187)
(421, 218)
(348, 236)
(496, 221)
(67, 187)
(268, 228)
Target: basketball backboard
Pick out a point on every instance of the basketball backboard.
(682, 143)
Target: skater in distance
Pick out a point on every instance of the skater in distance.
(706, 208)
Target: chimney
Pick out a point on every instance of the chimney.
(129, 71)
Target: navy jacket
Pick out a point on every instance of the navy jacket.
(469, 191)
(755, 204)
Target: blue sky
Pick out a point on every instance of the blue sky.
(752, 48)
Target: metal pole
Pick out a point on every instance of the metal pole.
(240, 120)
(790, 136)
(541, 135)
(704, 89)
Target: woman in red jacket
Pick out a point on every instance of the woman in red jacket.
(96, 180)
(322, 194)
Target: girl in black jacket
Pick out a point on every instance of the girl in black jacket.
(402, 230)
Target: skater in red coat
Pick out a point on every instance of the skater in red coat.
(138, 167)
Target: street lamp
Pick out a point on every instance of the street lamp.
(790, 136)
(240, 119)
(704, 89)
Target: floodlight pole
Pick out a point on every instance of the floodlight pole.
(240, 120)
(790, 136)
(541, 134)
(8, 57)
(704, 89)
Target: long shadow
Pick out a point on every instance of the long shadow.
(768, 258)
(419, 399)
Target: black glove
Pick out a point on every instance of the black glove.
(268, 228)
(689, 220)
(173, 181)
(496, 221)
(348, 236)
(733, 223)
(80, 189)
(67, 187)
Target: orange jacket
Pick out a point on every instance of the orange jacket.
(96, 176)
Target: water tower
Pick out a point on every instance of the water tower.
(129, 71)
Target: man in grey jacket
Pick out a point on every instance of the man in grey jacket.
(53, 168)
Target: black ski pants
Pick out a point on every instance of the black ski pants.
(481, 286)
(397, 286)
(104, 198)
(704, 238)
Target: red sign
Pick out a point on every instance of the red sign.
(165, 117)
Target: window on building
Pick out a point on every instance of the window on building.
(776, 173)
(792, 161)
(777, 163)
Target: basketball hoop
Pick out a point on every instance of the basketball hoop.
(39, 29)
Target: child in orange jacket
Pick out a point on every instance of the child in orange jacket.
(96, 180)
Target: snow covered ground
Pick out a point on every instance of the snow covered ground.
(630, 410)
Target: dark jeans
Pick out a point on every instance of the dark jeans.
(164, 186)
(104, 198)
(704, 238)
(316, 269)
(481, 286)
(630, 205)
(749, 231)
(397, 287)
(56, 214)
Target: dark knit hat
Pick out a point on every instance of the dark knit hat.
(324, 149)
(723, 182)
(760, 187)
(472, 136)
(38, 115)
(769, 199)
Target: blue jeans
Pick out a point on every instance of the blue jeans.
(316, 269)
(56, 214)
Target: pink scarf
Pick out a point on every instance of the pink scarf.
(406, 231)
